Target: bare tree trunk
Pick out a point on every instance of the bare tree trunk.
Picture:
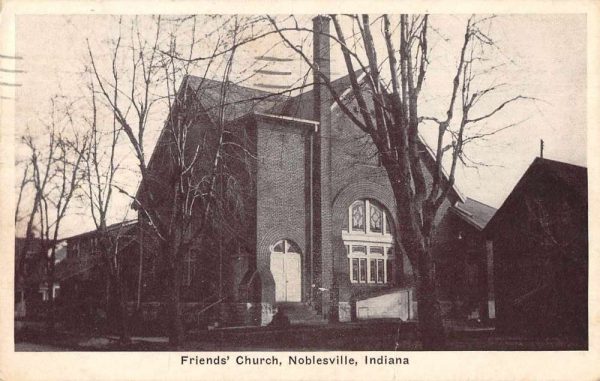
(117, 296)
(174, 310)
(431, 328)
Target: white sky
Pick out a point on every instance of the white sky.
(545, 58)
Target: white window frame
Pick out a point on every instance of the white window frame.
(388, 251)
(367, 222)
(369, 240)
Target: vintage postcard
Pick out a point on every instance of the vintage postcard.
(302, 191)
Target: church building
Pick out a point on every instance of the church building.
(314, 233)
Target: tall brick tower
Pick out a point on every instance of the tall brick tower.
(323, 255)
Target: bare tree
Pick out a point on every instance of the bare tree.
(25, 180)
(100, 167)
(56, 175)
(388, 112)
(177, 197)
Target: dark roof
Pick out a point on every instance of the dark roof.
(474, 212)
(564, 176)
(240, 100)
(301, 105)
(243, 100)
(574, 176)
(126, 224)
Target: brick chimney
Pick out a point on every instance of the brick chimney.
(322, 245)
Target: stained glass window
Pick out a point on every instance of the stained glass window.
(358, 216)
(376, 219)
(368, 242)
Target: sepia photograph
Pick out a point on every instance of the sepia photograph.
(351, 188)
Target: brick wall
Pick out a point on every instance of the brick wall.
(280, 195)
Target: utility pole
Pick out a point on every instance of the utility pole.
(542, 148)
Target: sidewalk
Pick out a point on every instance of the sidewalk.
(355, 336)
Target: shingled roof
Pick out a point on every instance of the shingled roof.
(243, 100)
(240, 100)
(474, 212)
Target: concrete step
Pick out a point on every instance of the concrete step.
(300, 313)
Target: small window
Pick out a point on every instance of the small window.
(363, 270)
(354, 269)
(376, 220)
(373, 270)
(359, 249)
(380, 271)
(376, 250)
(358, 216)
(292, 247)
(279, 248)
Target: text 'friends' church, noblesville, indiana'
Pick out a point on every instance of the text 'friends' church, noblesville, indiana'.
(309, 229)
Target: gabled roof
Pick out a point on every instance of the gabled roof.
(245, 102)
(474, 212)
(240, 100)
(301, 105)
(564, 176)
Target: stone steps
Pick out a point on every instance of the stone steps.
(300, 313)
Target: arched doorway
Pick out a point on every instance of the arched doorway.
(286, 268)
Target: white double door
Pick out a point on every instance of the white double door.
(286, 271)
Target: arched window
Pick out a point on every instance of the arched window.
(369, 243)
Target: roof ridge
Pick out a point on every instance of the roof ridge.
(196, 77)
(542, 159)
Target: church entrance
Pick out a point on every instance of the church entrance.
(287, 271)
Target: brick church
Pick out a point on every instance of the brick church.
(314, 234)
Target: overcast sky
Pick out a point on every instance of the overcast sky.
(544, 57)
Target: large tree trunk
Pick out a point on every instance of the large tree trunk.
(431, 328)
(417, 242)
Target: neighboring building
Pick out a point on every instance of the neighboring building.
(311, 227)
(32, 288)
(83, 276)
(465, 268)
(540, 249)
